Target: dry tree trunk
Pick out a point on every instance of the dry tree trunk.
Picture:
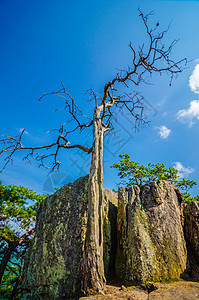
(93, 278)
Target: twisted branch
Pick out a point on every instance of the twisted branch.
(152, 57)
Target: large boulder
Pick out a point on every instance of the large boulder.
(52, 268)
(151, 245)
(191, 232)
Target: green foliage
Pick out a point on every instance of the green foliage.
(134, 173)
(15, 205)
(11, 280)
(17, 215)
(188, 197)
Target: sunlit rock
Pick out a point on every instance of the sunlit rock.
(151, 245)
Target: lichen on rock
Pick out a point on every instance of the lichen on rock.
(53, 264)
(143, 238)
(52, 267)
(151, 245)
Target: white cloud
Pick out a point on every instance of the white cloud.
(164, 132)
(194, 80)
(182, 171)
(192, 112)
(21, 129)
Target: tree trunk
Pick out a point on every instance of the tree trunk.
(11, 247)
(6, 258)
(93, 278)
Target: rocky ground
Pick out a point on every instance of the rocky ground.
(182, 290)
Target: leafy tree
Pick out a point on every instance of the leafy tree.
(10, 287)
(152, 57)
(188, 197)
(134, 173)
(17, 218)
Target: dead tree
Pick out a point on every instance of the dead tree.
(152, 57)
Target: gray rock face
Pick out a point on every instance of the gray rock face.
(151, 245)
(191, 232)
(53, 264)
(52, 267)
(146, 230)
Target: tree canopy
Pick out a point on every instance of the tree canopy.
(17, 220)
(134, 173)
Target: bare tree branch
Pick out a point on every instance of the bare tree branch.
(149, 58)
(14, 144)
(154, 59)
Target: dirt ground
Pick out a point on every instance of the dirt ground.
(182, 290)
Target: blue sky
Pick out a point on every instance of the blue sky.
(82, 43)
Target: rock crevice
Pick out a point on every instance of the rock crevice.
(142, 236)
(191, 232)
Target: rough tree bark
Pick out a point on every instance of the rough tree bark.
(93, 267)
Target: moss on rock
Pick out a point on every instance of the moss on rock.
(53, 264)
(52, 267)
(151, 245)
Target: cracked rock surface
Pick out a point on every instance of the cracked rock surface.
(151, 244)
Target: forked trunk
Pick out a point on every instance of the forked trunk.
(93, 267)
